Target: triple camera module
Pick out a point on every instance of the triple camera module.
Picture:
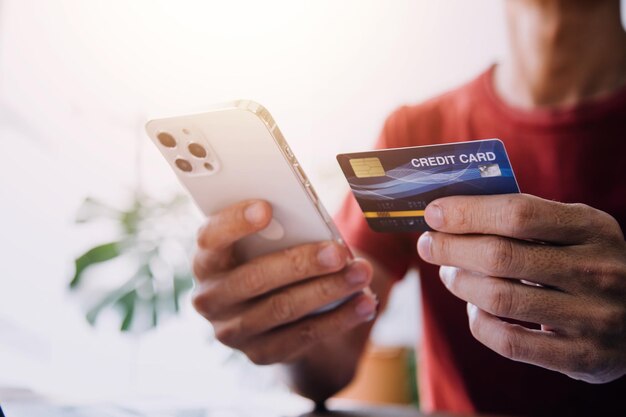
(199, 156)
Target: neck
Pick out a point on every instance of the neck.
(562, 52)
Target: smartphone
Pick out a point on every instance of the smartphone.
(236, 152)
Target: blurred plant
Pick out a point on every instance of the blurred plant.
(155, 238)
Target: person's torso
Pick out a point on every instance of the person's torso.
(569, 155)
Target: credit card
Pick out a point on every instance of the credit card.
(394, 186)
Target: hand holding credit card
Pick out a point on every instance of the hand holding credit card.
(394, 186)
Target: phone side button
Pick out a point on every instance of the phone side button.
(300, 173)
(288, 152)
(312, 193)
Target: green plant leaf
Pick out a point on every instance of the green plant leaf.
(155, 310)
(128, 304)
(182, 283)
(97, 254)
(112, 297)
(140, 301)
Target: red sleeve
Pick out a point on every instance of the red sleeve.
(393, 251)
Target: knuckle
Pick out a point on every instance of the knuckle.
(440, 247)
(612, 227)
(584, 266)
(581, 213)
(599, 223)
(612, 277)
(282, 307)
(251, 279)
(603, 221)
(500, 299)
(326, 288)
(498, 256)
(509, 345)
(613, 322)
(298, 260)
(519, 213)
(606, 283)
(581, 208)
(456, 216)
(506, 342)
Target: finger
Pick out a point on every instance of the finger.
(270, 272)
(520, 216)
(502, 257)
(286, 342)
(293, 303)
(227, 226)
(208, 264)
(514, 300)
(216, 237)
(546, 349)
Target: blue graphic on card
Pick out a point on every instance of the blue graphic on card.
(394, 186)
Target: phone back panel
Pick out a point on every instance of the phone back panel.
(247, 158)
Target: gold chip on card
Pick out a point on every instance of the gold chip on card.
(367, 167)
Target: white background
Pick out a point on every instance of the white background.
(79, 78)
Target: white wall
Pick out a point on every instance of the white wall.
(78, 79)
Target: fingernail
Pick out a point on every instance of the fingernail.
(434, 216)
(472, 310)
(254, 213)
(446, 274)
(328, 256)
(357, 274)
(366, 309)
(423, 246)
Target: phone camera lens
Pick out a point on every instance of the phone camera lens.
(209, 166)
(166, 140)
(197, 150)
(183, 165)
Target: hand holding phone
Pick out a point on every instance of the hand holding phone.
(264, 306)
(273, 274)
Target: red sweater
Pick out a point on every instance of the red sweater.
(575, 154)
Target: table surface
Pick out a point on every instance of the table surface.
(26, 409)
(29, 409)
(343, 409)
(369, 411)
(24, 403)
